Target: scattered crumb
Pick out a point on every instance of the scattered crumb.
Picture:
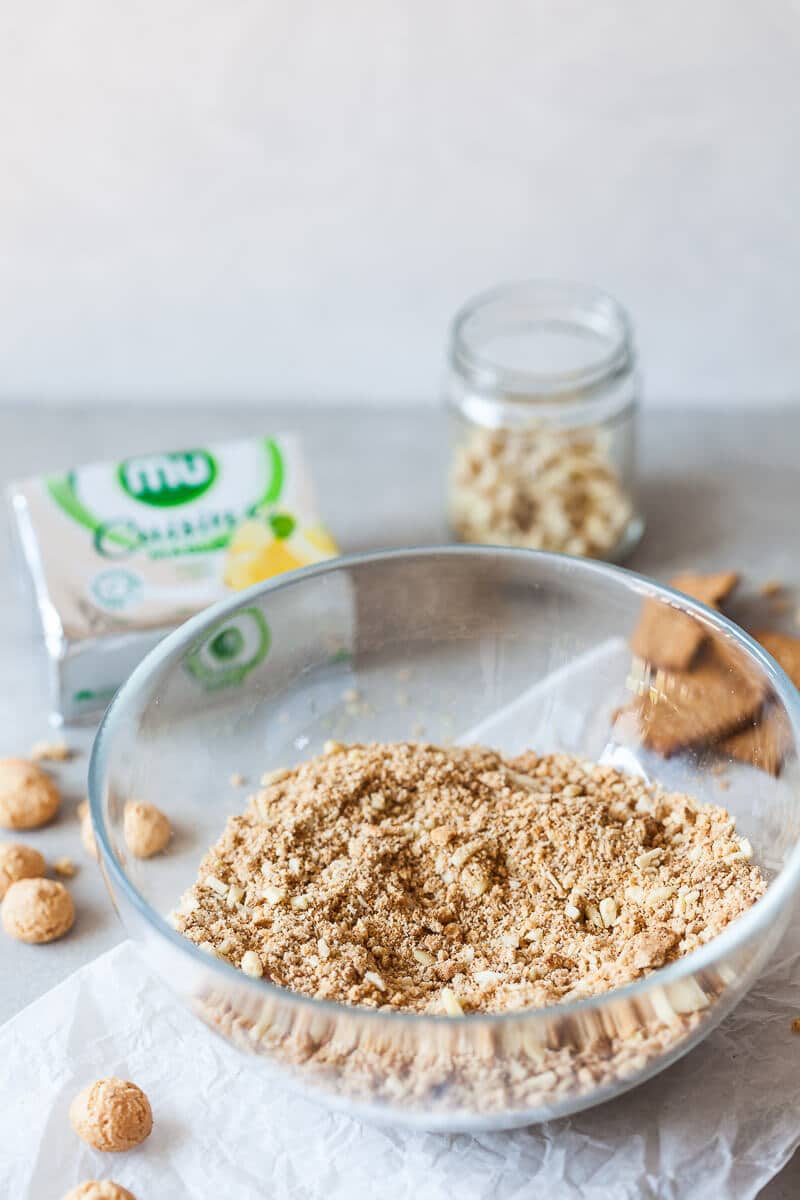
(351, 695)
(417, 730)
(237, 779)
(403, 675)
(771, 587)
(413, 877)
(796, 1025)
(65, 867)
(111, 1115)
(51, 752)
(402, 699)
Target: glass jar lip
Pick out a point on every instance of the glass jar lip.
(554, 304)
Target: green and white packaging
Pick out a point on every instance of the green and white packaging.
(121, 553)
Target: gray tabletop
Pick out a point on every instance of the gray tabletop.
(719, 490)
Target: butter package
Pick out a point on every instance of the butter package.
(120, 553)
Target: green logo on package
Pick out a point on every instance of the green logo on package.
(231, 650)
(168, 479)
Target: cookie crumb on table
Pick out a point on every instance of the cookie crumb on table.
(37, 910)
(147, 829)
(796, 1025)
(413, 877)
(29, 797)
(51, 752)
(65, 867)
(111, 1115)
(18, 861)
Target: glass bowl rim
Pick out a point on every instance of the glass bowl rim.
(737, 933)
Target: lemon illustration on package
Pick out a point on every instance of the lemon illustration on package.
(263, 546)
(121, 552)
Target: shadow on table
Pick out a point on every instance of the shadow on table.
(686, 519)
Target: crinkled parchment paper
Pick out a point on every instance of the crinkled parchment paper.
(716, 1126)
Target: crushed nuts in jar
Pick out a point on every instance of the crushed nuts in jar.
(543, 392)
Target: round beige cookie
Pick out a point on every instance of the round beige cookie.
(147, 830)
(99, 1189)
(111, 1114)
(29, 797)
(37, 910)
(18, 861)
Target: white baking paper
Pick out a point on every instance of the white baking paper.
(718, 1125)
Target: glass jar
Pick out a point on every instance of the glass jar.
(543, 391)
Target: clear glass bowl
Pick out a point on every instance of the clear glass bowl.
(514, 648)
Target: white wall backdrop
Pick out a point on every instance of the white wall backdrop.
(287, 198)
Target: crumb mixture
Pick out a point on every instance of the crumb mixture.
(455, 880)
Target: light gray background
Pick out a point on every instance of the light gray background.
(257, 200)
(286, 201)
(717, 493)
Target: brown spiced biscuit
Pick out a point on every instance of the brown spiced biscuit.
(678, 709)
(670, 639)
(763, 744)
(784, 648)
(766, 743)
(712, 590)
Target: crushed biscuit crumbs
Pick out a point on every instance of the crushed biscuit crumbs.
(65, 867)
(434, 893)
(51, 752)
